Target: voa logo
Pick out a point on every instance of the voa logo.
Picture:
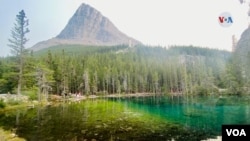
(225, 19)
(236, 132)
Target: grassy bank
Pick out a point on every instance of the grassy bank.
(9, 136)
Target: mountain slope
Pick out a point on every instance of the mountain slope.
(88, 27)
(243, 46)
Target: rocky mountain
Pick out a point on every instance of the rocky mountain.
(241, 58)
(88, 27)
(243, 45)
(242, 51)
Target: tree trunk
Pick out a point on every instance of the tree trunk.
(19, 86)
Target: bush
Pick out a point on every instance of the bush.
(13, 102)
(199, 90)
(202, 90)
(32, 94)
(2, 104)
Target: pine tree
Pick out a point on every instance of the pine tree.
(17, 42)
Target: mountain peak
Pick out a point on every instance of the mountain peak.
(88, 26)
(83, 24)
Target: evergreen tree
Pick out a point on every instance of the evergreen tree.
(17, 42)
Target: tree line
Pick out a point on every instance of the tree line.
(119, 69)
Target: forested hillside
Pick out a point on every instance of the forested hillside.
(118, 69)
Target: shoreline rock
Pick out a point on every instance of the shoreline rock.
(8, 97)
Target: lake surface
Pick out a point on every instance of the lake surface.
(129, 118)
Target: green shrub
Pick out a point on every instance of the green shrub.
(2, 104)
(13, 102)
(199, 90)
(32, 94)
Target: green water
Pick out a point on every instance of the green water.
(139, 119)
(203, 113)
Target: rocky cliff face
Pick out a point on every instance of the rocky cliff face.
(242, 51)
(243, 46)
(241, 58)
(88, 26)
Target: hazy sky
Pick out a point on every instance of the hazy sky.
(153, 22)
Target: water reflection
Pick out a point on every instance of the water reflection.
(133, 118)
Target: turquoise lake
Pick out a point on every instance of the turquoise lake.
(129, 118)
(203, 113)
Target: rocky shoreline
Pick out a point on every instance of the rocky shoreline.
(7, 97)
